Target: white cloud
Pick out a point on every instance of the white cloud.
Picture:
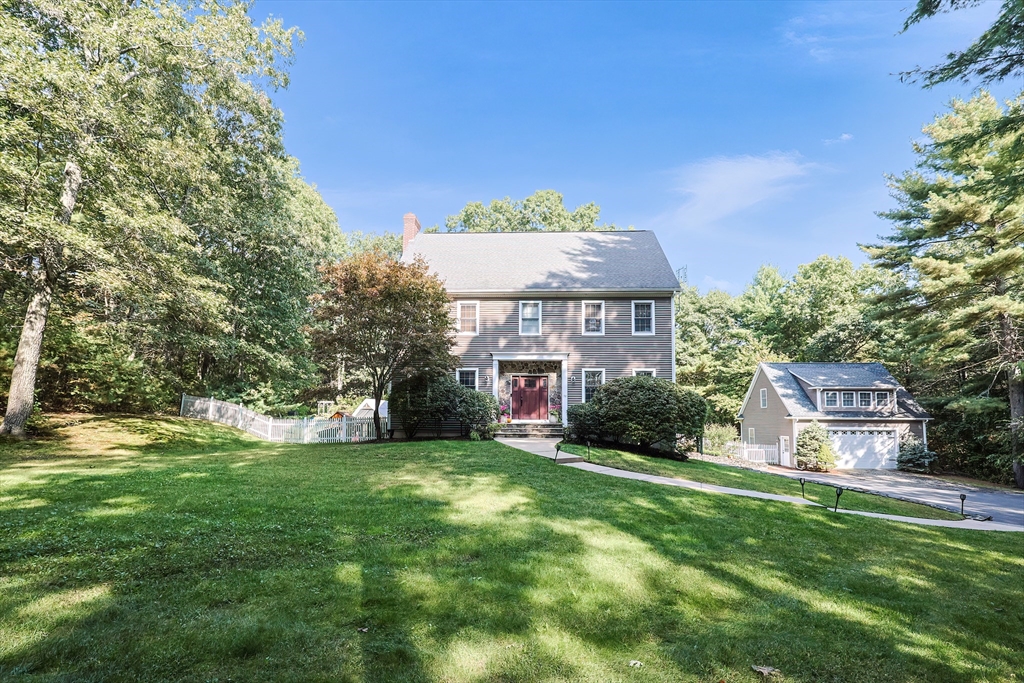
(722, 186)
(845, 137)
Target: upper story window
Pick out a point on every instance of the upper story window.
(468, 377)
(831, 399)
(864, 399)
(529, 317)
(881, 398)
(643, 317)
(592, 380)
(593, 317)
(764, 398)
(467, 318)
(847, 399)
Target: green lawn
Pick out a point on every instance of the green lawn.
(736, 477)
(147, 550)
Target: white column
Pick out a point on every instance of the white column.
(565, 392)
(494, 379)
(924, 433)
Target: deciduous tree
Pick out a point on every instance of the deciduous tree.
(543, 210)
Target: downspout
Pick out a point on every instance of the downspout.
(673, 337)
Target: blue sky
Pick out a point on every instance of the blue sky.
(742, 133)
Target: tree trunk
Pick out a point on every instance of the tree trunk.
(21, 397)
(1016, 391)
(376, 416)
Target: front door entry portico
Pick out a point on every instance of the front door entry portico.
(529, 397)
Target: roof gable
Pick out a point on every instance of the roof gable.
(546, 261)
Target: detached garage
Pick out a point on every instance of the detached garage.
(864, 409)
(864, 448)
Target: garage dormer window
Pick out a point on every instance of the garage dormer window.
(764, 398)
(881, 398)
(848, 399)
(865, 399)
(831, 399)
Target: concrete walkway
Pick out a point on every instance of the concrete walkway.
(1003, 506)
(545, 448)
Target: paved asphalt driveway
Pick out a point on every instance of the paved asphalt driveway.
(1003, 505)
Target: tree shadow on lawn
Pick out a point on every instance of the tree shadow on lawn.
(475, 562)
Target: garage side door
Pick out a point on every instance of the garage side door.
(864, 448)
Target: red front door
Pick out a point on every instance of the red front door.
(529, 398)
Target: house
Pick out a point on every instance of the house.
(863, 407)
(544, 318)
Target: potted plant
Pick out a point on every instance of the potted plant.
(505, 414)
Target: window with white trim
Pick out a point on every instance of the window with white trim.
(847, 399)
(881, 398)
(645, 372)
(593, 317)
(468, 377)
(750, 435)
(831, 399)
(643, 317)
(529, 317)
(864, 399)
(592, 380)
(764, 398)
(467, 317)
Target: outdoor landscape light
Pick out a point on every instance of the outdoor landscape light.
(963, 497)
(802, 482)
(558, 449)
(588, 450)
(839, 492)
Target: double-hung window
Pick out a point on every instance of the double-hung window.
(764, 398)
(468, 317)
(831, 399)
(529, 317)
(881, 398)
(593, 317)
(864, 399)
(592, 380)
(643, 317)
(847, 399)
(467, 377)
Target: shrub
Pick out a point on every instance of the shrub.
(826, 458)
(646, 411)
(808, 445)
(914, 456)
(584, 423)
(478, 413)
(716, 436)
(423, 400)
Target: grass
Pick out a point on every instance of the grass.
(740, 478)
(135, 549)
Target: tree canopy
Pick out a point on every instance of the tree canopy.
(543, 210)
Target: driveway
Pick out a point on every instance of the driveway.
(1003, 506)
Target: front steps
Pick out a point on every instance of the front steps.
(531, 431)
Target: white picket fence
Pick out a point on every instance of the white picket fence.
(314, 429)
(759, 452)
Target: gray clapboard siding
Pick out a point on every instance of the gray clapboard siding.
(618, 351)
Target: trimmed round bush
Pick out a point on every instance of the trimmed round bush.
(648, 412)
(584, 423)
(478, 413)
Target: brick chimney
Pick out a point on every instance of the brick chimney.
(412, 228)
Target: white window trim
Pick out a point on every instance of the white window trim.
(540, 318)
(826, 399)
(458, 318)
(750, 436)
(871, 399)
(583, 381)
(842, 399)
(764, 398)
(653, 371)
(888, 399)
(583, 319)
(476, 376)
(632, 317)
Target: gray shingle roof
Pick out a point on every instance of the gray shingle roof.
(784, 376)
(538, 261)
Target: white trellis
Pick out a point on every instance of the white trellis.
(313, 429)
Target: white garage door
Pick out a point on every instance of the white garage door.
(864, 448)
